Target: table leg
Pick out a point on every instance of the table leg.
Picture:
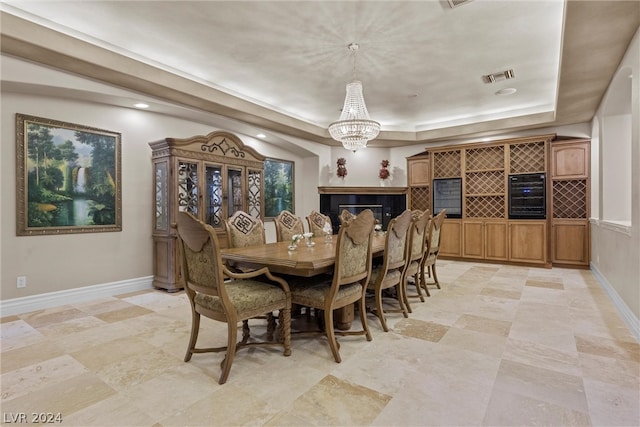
(344, 316)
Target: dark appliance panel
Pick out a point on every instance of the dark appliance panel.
(447, 194)
(527, 196)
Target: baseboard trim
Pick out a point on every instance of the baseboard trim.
(21, 305)
(627, 315)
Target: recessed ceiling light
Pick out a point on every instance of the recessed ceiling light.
(261, 135)
(141, 105)
(507, 91)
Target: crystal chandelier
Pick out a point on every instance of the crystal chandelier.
(354, 128)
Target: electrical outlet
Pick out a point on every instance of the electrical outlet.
(22, 281)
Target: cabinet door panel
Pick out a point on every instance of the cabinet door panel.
(473, 239)
(571, 242)
(527, 242)
(419, 172)
(570, 161)
(496, 241)
(450, 238)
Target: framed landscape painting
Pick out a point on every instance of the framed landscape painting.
(67, 178)
(278, 187)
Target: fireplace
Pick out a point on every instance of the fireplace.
(385, 202)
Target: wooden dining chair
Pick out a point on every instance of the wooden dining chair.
(348, 285)
(428, 264)
(287, 225)
(346, 216)
(417, 247)
(225, 296)
(318, 222)
(244, 230)
(390, 272)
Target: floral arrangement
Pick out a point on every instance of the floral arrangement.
(342, 167)
(296, 238)
(384, 172)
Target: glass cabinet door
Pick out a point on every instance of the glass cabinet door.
(213, 200)
(254, 193)
(188, 187)
(161, 192)
(234, 188)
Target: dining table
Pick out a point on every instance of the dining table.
(306, 260)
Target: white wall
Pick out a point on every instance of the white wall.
(615, 247)
(616, 160)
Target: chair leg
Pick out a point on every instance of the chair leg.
(195, 328)
(435, 275)
(363, 318)
(232, 331)
(379, 310)
(333, 343)
(416, 282)
(271, 326)
(405, 298)
(246, 332)
(423, 281)
(403, 307)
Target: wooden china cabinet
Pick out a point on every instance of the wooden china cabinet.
(210, 176)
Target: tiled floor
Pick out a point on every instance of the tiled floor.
(496, 346)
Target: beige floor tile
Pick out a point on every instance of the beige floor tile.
(29, 355)
(497, 345)
(611, 405)
(333, 401)
(479, 342)
(53, 315)
(123, 314)
(65, 397)
(541, 356)
(483, 324)
(609, 348)
(564, 390)
(31, 378)
(114, 411)
(510, 409)
(427, 331)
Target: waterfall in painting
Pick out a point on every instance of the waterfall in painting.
(80, 180)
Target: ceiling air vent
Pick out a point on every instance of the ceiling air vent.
(502, 75)
(456, 3)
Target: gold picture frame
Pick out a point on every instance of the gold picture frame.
(68, 178)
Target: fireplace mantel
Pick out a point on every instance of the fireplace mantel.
(362, 190)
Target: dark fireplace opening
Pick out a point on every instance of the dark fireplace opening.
(384, 206)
